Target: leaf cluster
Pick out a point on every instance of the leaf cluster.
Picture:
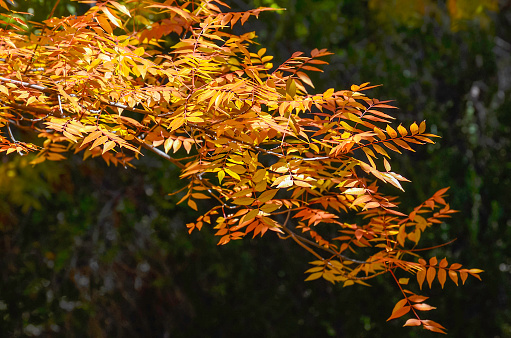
(244, 132)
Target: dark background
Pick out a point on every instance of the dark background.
(94, 251)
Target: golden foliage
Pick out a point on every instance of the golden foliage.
(244, 132)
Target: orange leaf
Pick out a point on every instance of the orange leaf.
(455, 266)
(417, 298)
(413, 322)
(421, 275)
(454, 276)
(305, 78)
(431, 275)
(107, 146)
(103, 22)
(442, 275)
(192, 204)
(92, 136)
(433, 329)
(99, 141)
(399, 313)
(463, 275)
(399, 305)
(423, 307)
(224, 240)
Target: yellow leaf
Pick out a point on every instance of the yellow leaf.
(392, 133)
(387, 165)
(354, 191)
(195, 119)
(291, 87)
(4, 90)
(70, 136)
(269, 208)
(314, 276)
(243, 201)
(380, 133)
(328, 94)
(259, 175)
(121, 8)
(475, 271)
(111, 17)
(31, 100)
(285, 182)
(176, 145)
(402, 130)
(315, 269)
(414, 128)
(267, 195)
(233, 174)
(422, 127)
(168, 144)
(238, 169)
(107, 146)
(302, 184)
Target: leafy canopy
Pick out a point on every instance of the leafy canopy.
(244, 132)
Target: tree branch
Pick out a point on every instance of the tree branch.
(48, 90)
(303, 239)
(160, 153)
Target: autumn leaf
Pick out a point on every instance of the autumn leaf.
(271, 158)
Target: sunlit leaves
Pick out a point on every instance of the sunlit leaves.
(441, 270)
(246, 134)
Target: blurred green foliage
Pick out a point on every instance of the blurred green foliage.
(89, 250)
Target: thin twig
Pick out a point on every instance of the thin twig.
(10, 133)
(301, 238)
(161, 154)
